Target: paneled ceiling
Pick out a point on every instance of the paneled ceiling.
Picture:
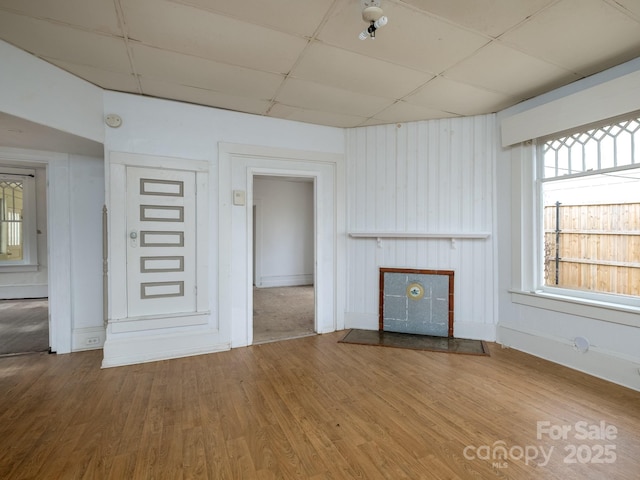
(302, 59)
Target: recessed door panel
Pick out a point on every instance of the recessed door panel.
(161, 241)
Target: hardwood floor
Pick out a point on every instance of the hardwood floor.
(311, 408)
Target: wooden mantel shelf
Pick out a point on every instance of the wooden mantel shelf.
(452, 235)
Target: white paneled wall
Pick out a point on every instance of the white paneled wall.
(431, 177)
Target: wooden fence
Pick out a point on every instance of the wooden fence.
(593, 247)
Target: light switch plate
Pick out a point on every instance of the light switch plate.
(239, 197)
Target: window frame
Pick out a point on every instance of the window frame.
(587, 296)
(29, 261)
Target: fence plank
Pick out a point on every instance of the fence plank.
(598, 246)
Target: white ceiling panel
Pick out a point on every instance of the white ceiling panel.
(454, 97)
(314, 116)
(17, 132)
(357, 73)
(200, 73)
(630, 7)
(491, 17)
(110, 80)
(97, 15)
(189, 30)
(302, 59)
(201, 96)
(406, 112)
(46, 39)
(504, 70)
(314, 96)
(300, 17)
(580, 35)
(411, 39)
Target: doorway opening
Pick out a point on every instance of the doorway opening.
(24, 306)
(284, 258)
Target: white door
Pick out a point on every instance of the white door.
(161, 241)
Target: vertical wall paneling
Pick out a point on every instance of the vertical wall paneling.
(423, 177)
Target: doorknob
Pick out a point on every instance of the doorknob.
(133, 235)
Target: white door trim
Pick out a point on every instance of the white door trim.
(274, 173)
(58, 240)
(156, 336)
(118, 236)
(257, 240)
(237, 165)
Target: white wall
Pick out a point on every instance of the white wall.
(61, 114)
(529, 321)
(174, 129)
(435, 176)
(182, 131)
(423, 177)
(284, 232)
(73, 227)
(31, 284)
(86, 178)
(42, 93)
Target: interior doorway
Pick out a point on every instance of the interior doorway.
(24, 306)
(284, 258)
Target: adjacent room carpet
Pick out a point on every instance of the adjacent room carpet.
(416, 342)
(24, 326)
(281, 313)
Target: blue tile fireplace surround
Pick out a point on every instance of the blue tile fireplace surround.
(416, 301)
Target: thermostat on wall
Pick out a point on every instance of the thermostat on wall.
(238, 197)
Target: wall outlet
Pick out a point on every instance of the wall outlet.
(93, 341)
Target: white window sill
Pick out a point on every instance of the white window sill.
(607, 312)
(16, 268)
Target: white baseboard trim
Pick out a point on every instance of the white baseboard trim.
(285, 280)
(8, 292)
(90, 338)
(133, 350)
(615, 369)
(361, 321)
(474, 331)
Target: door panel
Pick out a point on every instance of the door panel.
(161, 241)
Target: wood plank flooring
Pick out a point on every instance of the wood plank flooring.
(310, 408)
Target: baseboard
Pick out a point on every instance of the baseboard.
(362, 321)
(285, 280)
(615, 369)
(8, 292)
(90, 338)
(475, 331)
(119, 351)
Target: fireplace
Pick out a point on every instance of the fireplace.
(416, 301)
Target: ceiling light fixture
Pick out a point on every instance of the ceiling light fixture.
(372, 13)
